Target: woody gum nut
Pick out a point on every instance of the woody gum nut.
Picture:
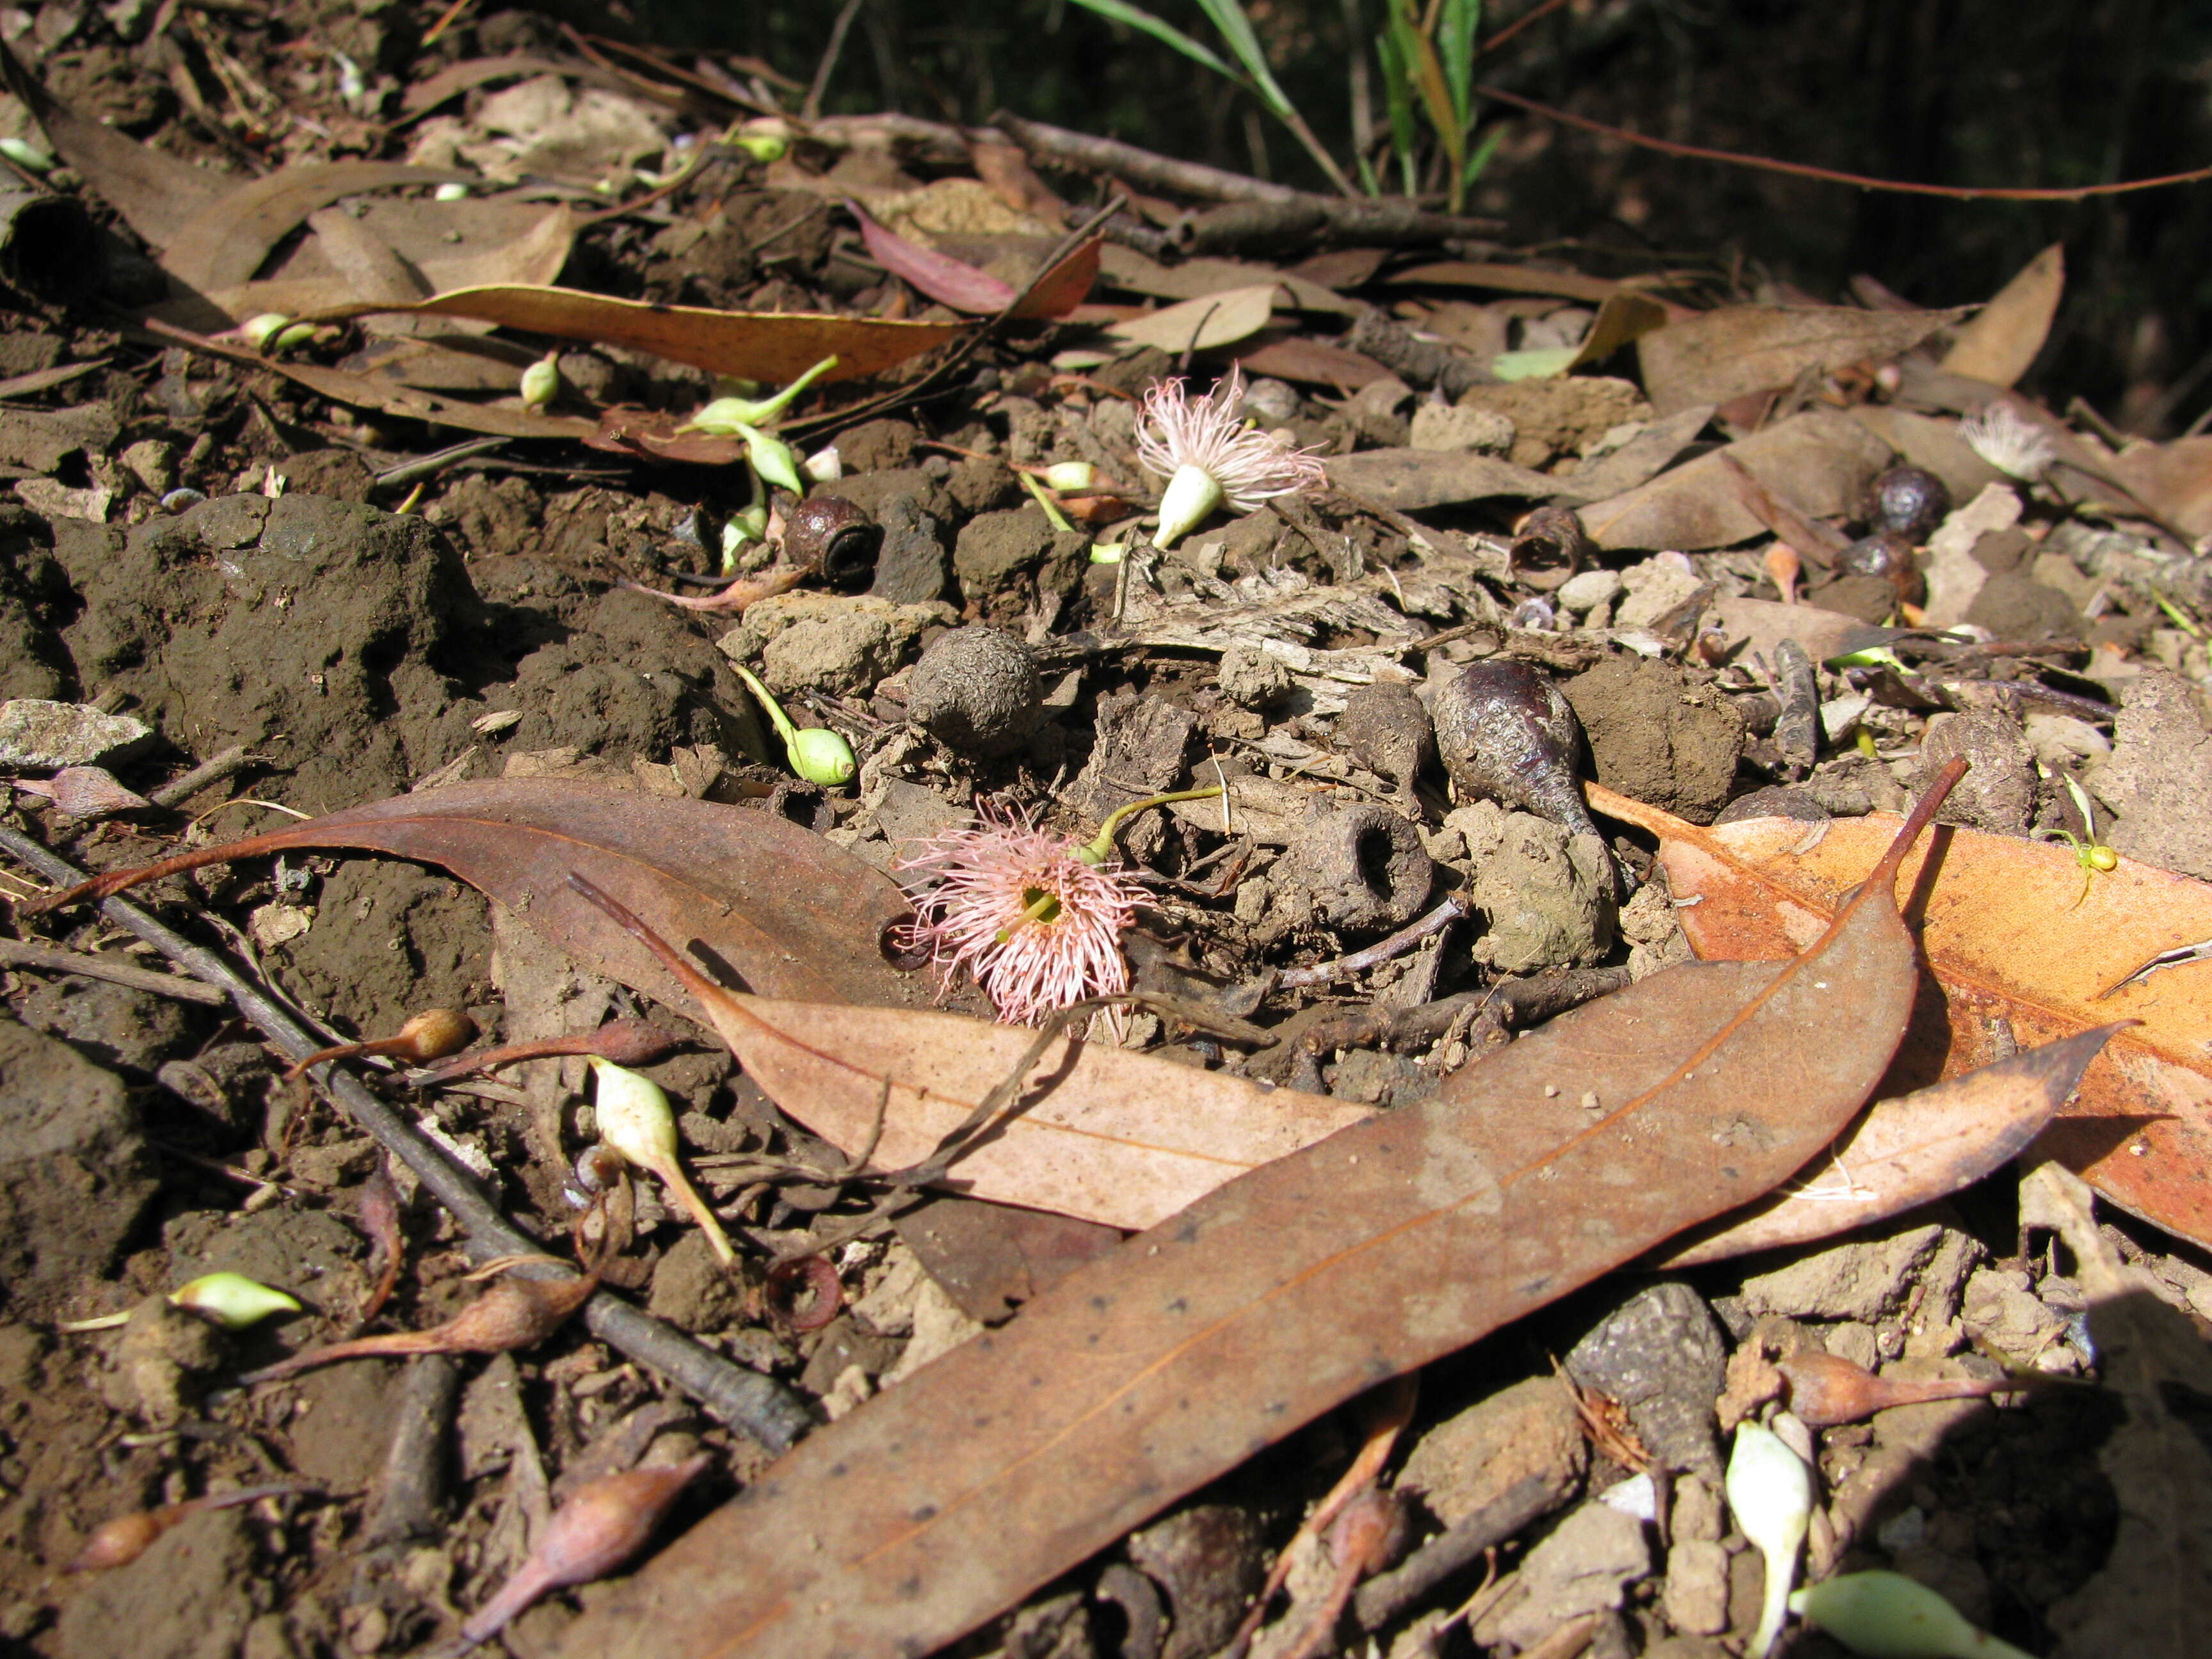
(1364, 867)
(977, 691)
(1505, 730)
(1388, 731)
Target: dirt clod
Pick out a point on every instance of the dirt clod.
(976, 690)
(1656, 736)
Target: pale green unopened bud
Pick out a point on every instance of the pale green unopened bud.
(453, 190)
(729, 417)
(541, 382)
(1191, 495)
(824, 466)
(772, 458)
(821, 756)
(1771, 1492)
(232, 1300)
(260, 331)
(763, 146)
(298, 334)
(740, 531)
(25, 154)
(1885, 1615)
(635, 1116)
(636, 1119)
(817, 755)
(1071, 475)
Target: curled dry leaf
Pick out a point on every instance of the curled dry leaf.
(515, 1313)
(1155, 1369)
(2013, 963)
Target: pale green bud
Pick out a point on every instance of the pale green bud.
(261, 331)
(1885, 1615)
(298, 334)
(772, 458)
(635, 1116)
(1071, 475)
(729, 417)
(541, 382)
(824, 466)
(232, 1300)
(763, 146)
(1771, 1492)
(1191, 495)
(821, 756)
(25, 154)
(740, 530)
(453, 190)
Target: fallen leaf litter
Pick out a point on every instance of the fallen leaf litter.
(1402, 1046)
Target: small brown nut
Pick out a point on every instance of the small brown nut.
(1889, 556)
(1906, 500)
(835, 539)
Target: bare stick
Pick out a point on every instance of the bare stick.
(822, 70)
(48, 958)
(1382, 951)
(760, 1405)
(231, 761)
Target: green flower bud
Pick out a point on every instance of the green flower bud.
(1071, 475)
(232, 1300)
(541, 382)
(763, 146)
(817, 755)
(729, 417)
(1191, 495)
(772, 458)
(821, 756)
(739, 531)
(1886, 1615)
(453, 190)
(25, 154)
(260, 331)
(824, 466)
(298, 334)
(1771, 1492)
(636, 1119)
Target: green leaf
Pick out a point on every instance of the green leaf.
(1237, 29)
(1398, 99)
(1456, 28)
(1120, 11)
(1481, 158)
(1545, 365)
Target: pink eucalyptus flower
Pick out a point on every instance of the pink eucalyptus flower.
(1211, 458)
(1036, 926)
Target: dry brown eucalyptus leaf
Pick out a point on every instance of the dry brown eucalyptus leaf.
(1137, 1378)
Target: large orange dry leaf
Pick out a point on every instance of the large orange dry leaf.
(2014, 961)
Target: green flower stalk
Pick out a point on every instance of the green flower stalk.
(816, 753)
(1885, 1615)
(733, 417)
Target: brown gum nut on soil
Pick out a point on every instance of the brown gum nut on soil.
(1364, 865)
(835, 538)
(976, 689)
(1388, 731)
(1888, 556)
(1505, 732)
(1906, 500)
(1548, 549)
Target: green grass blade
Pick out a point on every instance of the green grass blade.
(1397, 95)
(1237, 29)
(1458, 26)
(1120, 11)
(1481, 158)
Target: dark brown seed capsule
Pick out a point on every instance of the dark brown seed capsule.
(1505, 730)
(1906, 500)
(1890, 557)
(832, 536)
(1549, 546)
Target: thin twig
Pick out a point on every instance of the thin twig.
(823, 69)
(1382, 951)
(230, 763)
(1829, 175)
(762, 1407)
(428, 466)
(51, 959)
